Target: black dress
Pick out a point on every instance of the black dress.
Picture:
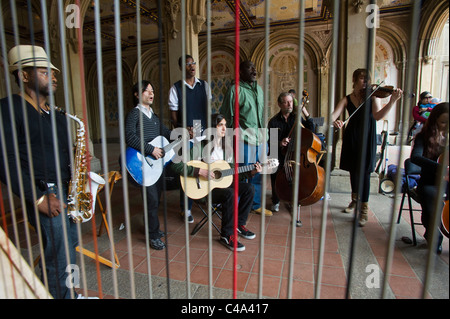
(353, 139)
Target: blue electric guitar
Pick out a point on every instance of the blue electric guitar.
(146, 170)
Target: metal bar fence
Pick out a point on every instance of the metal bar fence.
(102, 276)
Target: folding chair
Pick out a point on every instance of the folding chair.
(113, 177)
(215, 210)
(410, 169)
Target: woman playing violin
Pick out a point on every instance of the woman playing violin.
(354, 139)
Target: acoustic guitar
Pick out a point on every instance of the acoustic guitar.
(197, 187)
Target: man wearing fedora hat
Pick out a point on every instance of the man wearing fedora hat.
(32, 164)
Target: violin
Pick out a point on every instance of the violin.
(379, 91)
(383, 91)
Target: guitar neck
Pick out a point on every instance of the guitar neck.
(168, 147)
(241, 169)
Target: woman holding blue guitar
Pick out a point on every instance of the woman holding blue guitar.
(151, 129)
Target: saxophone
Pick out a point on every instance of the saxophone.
(83, 187)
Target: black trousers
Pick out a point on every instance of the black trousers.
(153, 193)
(225, 196)
(428, 195)
(354, 181)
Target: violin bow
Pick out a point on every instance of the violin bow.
(370, 95)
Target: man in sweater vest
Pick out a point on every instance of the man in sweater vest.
(197, 94)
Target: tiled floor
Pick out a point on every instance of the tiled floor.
(406, 275)
(144, 273)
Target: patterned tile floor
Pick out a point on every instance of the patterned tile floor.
(407, 272)
(147, 273)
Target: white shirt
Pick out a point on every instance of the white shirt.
(217, 154)
(145, 110)
(173, 96)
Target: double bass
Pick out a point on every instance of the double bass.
(312, 176)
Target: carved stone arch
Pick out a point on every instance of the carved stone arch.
(196, 7)
(227, 46)
(312, 48)
(392, 39)
(110, 96)
(283, 61)
(150, 72)
(71, 33)
(396, 38)
(222, 69)
(433, 19)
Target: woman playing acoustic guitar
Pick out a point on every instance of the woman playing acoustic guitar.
(224, 196)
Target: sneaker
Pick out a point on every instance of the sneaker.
(157, 244)
(259, 211)
(190, 218)
(276, 207)
(244, 232)
(228, 241)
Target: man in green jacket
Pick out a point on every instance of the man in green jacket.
(252, 131)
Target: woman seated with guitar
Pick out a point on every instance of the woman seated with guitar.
(197, 172)
(429, 145)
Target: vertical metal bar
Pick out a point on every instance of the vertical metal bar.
(99, 56)
(362, 157)
(122, 142)
(209, 124)
(236, 140)
(142, 143)
(2, 136)
(64, 68)
(29, 153)
(330, 133)
(161, 111)
(295, 202)
(185, 142)
(264, 145)
(53, 123)
(406, 107)
(435, 222)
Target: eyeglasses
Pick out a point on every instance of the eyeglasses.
(428, 97)
(191, 63)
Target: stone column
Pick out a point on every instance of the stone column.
(76, 98)
(173, 35)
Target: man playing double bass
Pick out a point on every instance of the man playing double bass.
(284, 121)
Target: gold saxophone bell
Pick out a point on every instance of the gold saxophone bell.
(84, 186)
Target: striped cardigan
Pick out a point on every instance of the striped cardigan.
(151, 127)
